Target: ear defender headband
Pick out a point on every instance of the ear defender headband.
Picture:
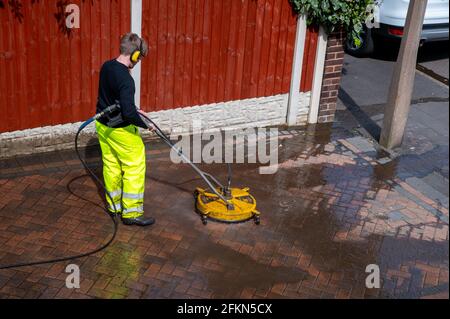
(136, 54)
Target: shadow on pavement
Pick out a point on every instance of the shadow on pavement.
(363, 119)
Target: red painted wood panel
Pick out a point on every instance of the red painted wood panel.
(207, 51)
(264, 59)
(215, 61)
(197, 53)
(273, 51)
(179, 53)
(170, 62)
(189, 43)
(201, 51)
(247, 79)
(48, 76)
(309, 58)
(223, 49)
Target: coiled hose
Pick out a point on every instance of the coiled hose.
(55, 260)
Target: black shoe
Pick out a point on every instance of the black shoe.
(139, 221)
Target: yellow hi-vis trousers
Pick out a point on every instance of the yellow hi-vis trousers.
(123, 154)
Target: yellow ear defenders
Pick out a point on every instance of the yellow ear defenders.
(136, 54)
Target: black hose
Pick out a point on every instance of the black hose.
(55, 260)
(164, 137)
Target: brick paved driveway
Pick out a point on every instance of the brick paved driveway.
(335, 206)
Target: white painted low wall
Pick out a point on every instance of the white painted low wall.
(256, 112)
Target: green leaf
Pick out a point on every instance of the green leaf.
(334, 14)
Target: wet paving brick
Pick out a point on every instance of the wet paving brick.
(333, 207)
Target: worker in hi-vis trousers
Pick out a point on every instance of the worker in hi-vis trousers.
(123, 152)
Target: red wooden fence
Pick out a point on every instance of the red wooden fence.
(48, 76)
(202, 51)
(205, 51)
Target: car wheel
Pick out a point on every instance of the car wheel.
(366, 47)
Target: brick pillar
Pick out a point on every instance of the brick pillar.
(332, 76)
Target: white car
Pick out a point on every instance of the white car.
(391, 17)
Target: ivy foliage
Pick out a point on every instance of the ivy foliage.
(350, 15)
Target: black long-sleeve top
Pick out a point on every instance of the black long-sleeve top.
(117, 84)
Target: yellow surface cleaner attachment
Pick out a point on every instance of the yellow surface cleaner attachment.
(218, 202)
(239, 207)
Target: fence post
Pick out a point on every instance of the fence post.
(136, 27)
(296, 77)
(319, 66)
(402, 85)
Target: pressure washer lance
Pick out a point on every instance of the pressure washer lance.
(106, 111)
(208, 178)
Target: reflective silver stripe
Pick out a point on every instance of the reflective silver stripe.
(133, 196)
(139, 209)
(115, 193)
(118, 207)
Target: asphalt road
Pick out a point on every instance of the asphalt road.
(434, 56)
(365, 87)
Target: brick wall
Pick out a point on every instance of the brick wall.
(332, 76)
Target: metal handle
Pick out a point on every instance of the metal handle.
(180, 153)
(229, 176)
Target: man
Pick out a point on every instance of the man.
(123, 152)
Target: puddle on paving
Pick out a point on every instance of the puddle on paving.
(291, 218)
